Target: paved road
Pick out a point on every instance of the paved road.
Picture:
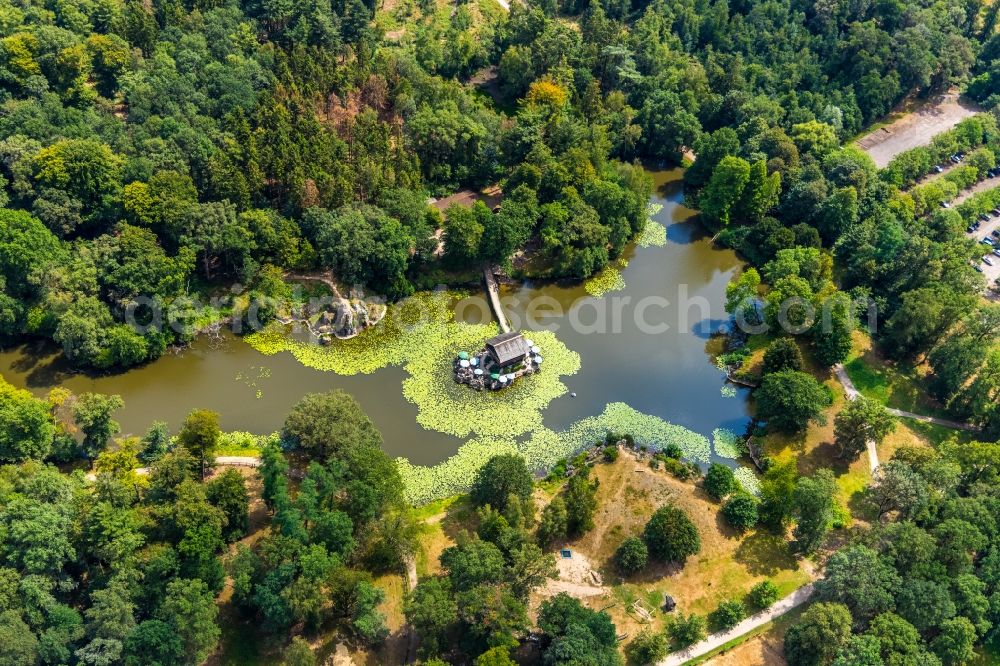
(793, 600)
(916, 128)
(992, 273)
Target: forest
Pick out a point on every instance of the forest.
(156, 154)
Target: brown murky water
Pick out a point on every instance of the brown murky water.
(667, 373)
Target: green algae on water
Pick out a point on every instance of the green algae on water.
(421, 335)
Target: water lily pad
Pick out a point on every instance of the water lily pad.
(421, 335)
(727, 444)
(748, 480)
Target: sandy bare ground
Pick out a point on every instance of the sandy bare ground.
(916, 127)
(576, 578)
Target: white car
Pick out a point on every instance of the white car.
(987, 260)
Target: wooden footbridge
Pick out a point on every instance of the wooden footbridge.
(493, 291)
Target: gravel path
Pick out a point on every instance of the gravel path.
(793, 600)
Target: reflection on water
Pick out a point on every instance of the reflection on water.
(667, 373)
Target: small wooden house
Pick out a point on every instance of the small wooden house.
(507, 349)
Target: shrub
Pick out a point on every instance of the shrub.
(673, 451)
(720, 481)
(762, 595)
(648, 647)
(632, 555)
(677, 469)
(670, 535)
(741, 511)
(686, 630)
(728, 614)
(611, 453)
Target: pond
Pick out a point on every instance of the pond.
(639, 345)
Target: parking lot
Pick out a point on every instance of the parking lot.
(915, 125)
(992, 273)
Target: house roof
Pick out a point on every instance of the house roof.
(507, 348)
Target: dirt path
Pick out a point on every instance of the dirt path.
(916, 128)
(793, 600)
(852, 394)
(411, 584)
(328, 281)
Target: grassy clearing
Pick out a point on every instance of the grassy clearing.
(899, 385)
(728, 565)
(393, 651)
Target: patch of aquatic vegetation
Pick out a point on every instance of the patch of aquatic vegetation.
(653, 234)
(651, 431)
(454, 475)
(748, 480)
(420, 334)
(544, 447)
(608, 280)
(388, 343)
(252, 376)
(728, 391)
(458, 410)
(727, 444)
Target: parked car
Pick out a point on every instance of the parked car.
(987, 241)
(976, 224)
(978, 268)
(996, 251)
(995, 211)
(956, 159)
(938, 168)
(984, 217)
(987, 260)
(945, 204)
(996, 232)
(971, 229)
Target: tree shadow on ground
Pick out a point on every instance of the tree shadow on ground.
(460, 517)
(764, 553)
(825, 455)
